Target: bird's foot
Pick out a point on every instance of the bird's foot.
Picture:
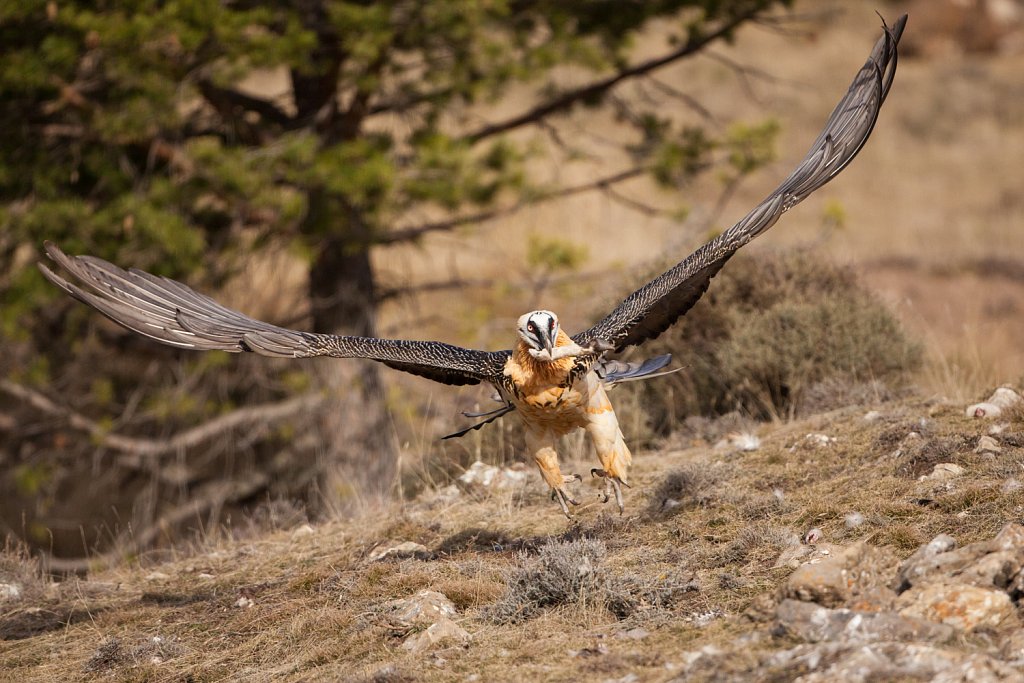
(562, 497)
(612, 485)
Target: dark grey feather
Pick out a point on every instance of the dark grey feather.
(172, 313)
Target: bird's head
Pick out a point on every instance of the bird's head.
(539, 330)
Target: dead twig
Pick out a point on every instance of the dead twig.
(140, 447)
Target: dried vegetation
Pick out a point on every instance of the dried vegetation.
(541, 598)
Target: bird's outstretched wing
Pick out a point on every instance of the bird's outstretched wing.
(650, 310)
(169, 312)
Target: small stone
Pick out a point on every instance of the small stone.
(852, 520)
(965, 607)
(1000, 400)
(426, 607)
(745, 441)
(942, 472)
(872, 416)
(824, 582)
(157, 576)
(922, 562)
(443, 631)
(820, 440)
(813, 536)
(244, 602)
(986, 444)
(9, 592)
(204, 575)
(400, 551)
(485, 476)
(303, 531)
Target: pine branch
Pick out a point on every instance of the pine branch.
(568, 99)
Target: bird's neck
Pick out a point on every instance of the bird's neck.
(540, 370)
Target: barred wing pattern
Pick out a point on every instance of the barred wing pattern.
(172, 313)
(650, 310)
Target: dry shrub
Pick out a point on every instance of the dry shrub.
(562, 573)
(572, 572)
(686, 486)
(114, 653)
(761, 542)
(771, 329)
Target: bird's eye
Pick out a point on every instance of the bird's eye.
(531, 327)
(551, 325)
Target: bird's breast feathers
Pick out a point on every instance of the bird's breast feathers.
(546, 394)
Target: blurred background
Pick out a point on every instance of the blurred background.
(433, 170)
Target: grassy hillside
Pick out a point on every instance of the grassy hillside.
(690, 581)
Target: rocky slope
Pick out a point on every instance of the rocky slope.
(879, 542)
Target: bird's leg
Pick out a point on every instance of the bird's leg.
(547, 461)
(604, 432)
(596, 347)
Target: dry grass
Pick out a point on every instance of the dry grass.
(513, 569)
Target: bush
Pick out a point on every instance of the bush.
(769, 333)
(565, 572)
(572, 572)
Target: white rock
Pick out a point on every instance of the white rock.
(820, 440)
(1001, 399)
(303, 531)
(9, 592)
(401, 550)
(491, 476)
(852, 520)
(813, 536)
(745, 441)
(444, 630)
(244, 602)
(986, 444)
(872, 416)
(943, 471)
(426, 607)
(157, 576)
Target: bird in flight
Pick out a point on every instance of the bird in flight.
(556, 382)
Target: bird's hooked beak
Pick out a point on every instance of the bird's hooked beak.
(547, 339)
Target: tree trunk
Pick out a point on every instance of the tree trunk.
(359, 458)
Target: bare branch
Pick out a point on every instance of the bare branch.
(635, 204)
(437, 286)
(568, 99)
(689, 100)
(140, 447)
(414, 232)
